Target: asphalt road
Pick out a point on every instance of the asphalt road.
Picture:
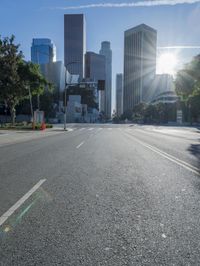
(104, 195)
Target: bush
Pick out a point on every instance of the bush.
(23, 126)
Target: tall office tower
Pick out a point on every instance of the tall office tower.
(119, 94)
(107, 52)
(139, 64)
(43, 51)
(74, 43)
(95, 66)
(95, 69)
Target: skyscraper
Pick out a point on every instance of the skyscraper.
(119, 94)
(95, 69)
(74, 43)
(95, 66)
(43, 51)
(139, 64)
(107, 52)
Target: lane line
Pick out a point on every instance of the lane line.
(9, 212)
(170, 157)
(80, 145)
(91, 128)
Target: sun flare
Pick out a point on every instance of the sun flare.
(167, 63)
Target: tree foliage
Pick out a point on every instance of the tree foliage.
(17, 77)
(188, 79)
(188, 86)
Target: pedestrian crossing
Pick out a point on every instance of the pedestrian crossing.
(97, 129)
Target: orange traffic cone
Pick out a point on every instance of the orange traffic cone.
(43, 126)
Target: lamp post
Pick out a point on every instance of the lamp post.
(66, 87)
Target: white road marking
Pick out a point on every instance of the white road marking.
(91, 128)
(109, 128)
(8, 213)
(81, 128)
(171, 157)
(80, 145)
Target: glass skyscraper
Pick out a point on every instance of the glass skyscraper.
(74, 43)
(94, 66)
(139, 64)
(119, 94)
(107, 52)
(43, 51)
(95, 69)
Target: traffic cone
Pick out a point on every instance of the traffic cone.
(43, 126)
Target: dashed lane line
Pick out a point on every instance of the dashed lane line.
(80, 145)
(16, 206)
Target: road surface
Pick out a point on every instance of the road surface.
(101, 195)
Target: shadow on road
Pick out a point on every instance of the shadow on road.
(194, 149)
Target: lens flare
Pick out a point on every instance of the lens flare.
(167, 63)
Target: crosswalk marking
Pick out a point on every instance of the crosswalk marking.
(91, 128)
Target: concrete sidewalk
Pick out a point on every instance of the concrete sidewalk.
(16, 136)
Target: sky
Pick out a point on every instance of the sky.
(176, 22)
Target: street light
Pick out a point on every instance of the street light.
(66, 87)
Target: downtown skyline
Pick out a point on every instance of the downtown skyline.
(176, 26)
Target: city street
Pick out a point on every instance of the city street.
(100, 194)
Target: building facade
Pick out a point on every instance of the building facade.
(94, 66)
(139, 64)
(74, 43)
(95, 70)
(162, 83)
(119, 94)
(55, 73)
(43, 51)
(107, 98)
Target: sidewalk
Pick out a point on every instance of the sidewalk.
(8, 137)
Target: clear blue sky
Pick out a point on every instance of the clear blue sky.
(177, 25)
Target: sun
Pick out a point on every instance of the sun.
(167, 63)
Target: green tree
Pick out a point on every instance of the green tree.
(18, 79)
(188, 87)
(184, 83)
(10, 58)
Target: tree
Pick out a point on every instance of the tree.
(139, 111)
(184, 83)
(10, 58)
(33, 82)
(127, 115)
(18, 79)
(188, 86)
